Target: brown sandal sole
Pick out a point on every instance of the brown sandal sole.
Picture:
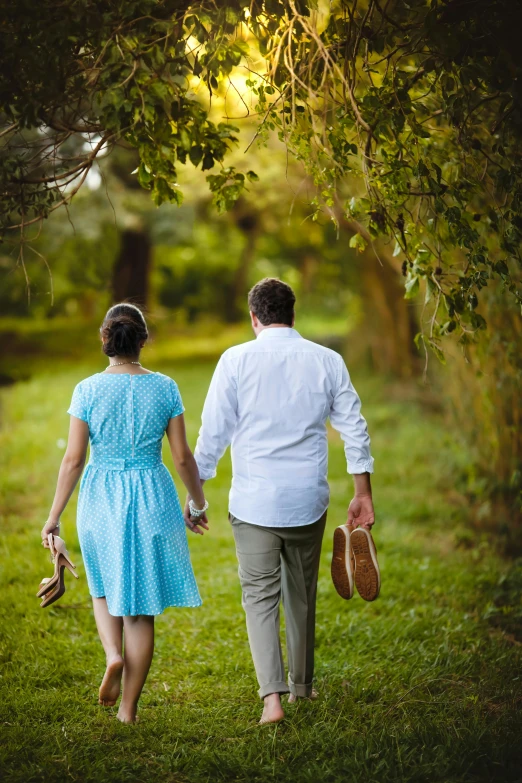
(367, 574)
(341, 568)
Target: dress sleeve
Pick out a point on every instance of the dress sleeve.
(176, 403)
(78, 407)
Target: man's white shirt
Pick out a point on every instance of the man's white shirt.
(271, 398)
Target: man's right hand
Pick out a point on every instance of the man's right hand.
(361, 512)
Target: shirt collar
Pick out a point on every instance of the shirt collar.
(277, 331)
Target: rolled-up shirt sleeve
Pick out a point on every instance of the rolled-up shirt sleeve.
(218, 420)
(346, 418)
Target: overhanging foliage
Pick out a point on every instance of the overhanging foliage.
(414, 107)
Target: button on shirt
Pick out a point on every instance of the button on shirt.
(270, 398)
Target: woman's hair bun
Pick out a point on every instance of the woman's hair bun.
(123, 330)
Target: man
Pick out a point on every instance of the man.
(270, 398)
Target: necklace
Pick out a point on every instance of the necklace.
(119, 364)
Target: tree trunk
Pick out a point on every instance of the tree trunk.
(392, 319)
(247, 221)
(130, 277)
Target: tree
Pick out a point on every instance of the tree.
(417, 106)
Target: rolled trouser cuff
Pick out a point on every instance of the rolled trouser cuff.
(302, 690)
(273, 687)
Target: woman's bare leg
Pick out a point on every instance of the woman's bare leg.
(139, 648)
(110, 630)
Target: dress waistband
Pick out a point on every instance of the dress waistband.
(128, 463)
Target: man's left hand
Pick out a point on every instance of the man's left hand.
(361, 512)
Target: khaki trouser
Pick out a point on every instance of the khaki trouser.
(280, 563)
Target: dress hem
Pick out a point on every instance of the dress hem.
(150, 614)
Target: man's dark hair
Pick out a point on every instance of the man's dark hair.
(272, 301)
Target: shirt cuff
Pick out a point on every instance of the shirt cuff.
(361, 466)
(206, 473)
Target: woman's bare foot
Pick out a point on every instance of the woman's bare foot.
(313, 696)
(111, 683)
(272, 712)
(127, 717)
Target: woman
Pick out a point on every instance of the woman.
(130, 523)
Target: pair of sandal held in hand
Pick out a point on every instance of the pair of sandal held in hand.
(52, 588)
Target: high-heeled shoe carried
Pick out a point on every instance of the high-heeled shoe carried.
(54, 587)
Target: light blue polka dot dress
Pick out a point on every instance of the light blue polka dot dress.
(130, 523)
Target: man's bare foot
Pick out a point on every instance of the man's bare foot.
(111, 683)
(313, 696)
(272, 711)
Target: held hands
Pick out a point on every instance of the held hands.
(195, 524)
(360, 512)
(51, 526)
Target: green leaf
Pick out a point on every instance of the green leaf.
(412, 287)
(358, 242)
(208, 161)
(431, 289)
(185, 140)
(417, 128)
(477, 321)
(196, 154)
(197, 68)
(353, 207)
(437, 351)
(144, 175)
(252, 176)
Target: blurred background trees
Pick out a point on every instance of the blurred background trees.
(383, 183)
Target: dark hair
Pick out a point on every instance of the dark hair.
(272, 301)
(123, 329)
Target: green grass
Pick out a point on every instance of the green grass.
(419, 686)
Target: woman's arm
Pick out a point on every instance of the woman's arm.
(186, 467)
(70, 471)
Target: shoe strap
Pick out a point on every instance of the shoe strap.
(52, 550)
(58, 548)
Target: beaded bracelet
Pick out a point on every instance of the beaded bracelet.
(197, 512)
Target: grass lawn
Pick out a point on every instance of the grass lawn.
(419, 686)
